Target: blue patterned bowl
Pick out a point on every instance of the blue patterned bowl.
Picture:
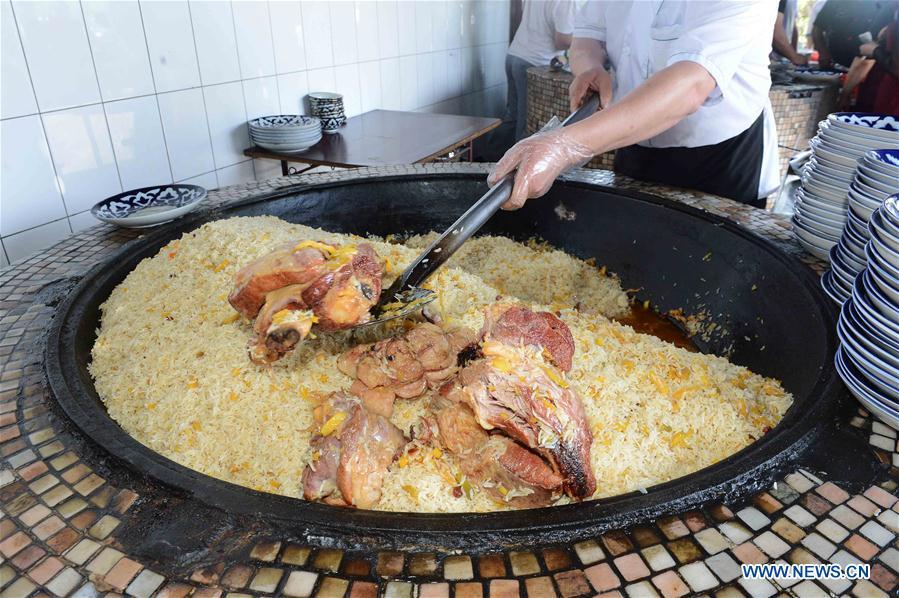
(149, 206)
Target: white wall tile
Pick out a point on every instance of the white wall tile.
(261, 97)
(82, 153)
(388, 29)
(424, 27)
(287, 36)
(425, 80)
(213, 28)
(16, 93)
(390, 81)
(293, 88)
(116, 36)
(27, 180)
(439, 24)
(454, 73)
(440, 71)
(455, 23)
(322, 80)
(236, 174)
(346, 79)
(137, 140)
(57, 53)
(254, 38)
(317, 34)
(206, 180)
(406, 27)
(409, 83)
(227, 123)
(343, 32)
(367, 31)
(370, 86)
(186, 132)
(21, 245)
(170, 39)
(82, 221)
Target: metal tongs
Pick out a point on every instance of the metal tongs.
(406, 295)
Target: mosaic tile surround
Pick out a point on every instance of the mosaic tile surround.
(66, 519)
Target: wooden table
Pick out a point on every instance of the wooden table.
(387, 138)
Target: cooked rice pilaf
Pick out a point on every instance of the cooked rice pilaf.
(171, 365)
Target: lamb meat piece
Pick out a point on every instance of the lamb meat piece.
(404, 366)
(517, 325)
(287, 265)
(503, 468)
(351, 453)
(514, 388)
(336, 288)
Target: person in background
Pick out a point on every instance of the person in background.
(840, 23)
(880, 90)
(812, 15)
(688, 105)
(786, 34)
(545, 30)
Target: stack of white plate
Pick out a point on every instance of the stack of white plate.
(868, 357)
(830, 180)
(286, 132)
(848, 257)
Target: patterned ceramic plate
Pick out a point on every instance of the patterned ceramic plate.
(881, 125)
(277, 121)
(149, 206)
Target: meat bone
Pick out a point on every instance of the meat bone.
(406, 295)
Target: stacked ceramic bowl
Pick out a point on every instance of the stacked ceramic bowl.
(285, 132)
(849, 257)
(329, 108)
(830, 180)
(868, 357)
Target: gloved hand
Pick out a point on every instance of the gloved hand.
(539, 160)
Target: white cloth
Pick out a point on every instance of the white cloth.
(540, 20)
(729, 38)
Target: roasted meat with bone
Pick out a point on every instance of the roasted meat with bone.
(404, 366)
(351, 453)
(303, 284)
(504, 469)
(517, 386)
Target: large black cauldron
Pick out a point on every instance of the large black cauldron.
(777, 320)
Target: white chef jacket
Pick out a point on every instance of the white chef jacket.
(534, 40)
(731, 39)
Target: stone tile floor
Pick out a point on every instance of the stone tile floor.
(63, 517)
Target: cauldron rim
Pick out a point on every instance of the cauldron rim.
(732, 478)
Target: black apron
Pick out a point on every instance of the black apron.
(730, 169)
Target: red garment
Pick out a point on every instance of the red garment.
(880, 90)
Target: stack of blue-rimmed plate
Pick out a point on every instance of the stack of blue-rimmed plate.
(868, 358)
(286, 132)
(830, 180)
(849, 257)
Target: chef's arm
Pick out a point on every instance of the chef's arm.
(588, 57)
(783, 45)
(658, 104)
(661, 102)
(562, 40)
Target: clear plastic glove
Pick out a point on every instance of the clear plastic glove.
(538, 160)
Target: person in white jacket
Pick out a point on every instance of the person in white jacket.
(545, 30)
(686, 103)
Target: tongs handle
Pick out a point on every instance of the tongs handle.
(473, 219)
